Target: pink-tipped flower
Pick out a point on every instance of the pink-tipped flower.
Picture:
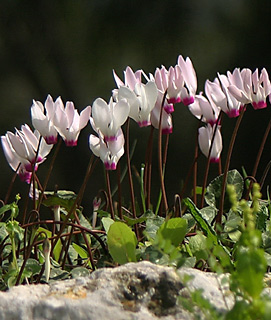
(170, 81)
(21, 150)
(218, 92)
(141, 101)
(131, 78)
(261, 88)
(205, 139)
(108, 118)
(14, 160)
(189, 89)
(250, 88)
(108, 151)
(42, 118)
(204, 109)
(166, 121)
(140, 97)
(69, 123)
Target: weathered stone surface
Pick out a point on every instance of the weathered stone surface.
(135, 291)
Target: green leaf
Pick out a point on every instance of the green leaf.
(58, 274)
(5, 208)
(197, 245)
(208, 213)
(32, 267)
(174, 230)
(205, 226)
(80, 272)
(262, 217)
(153, 223)
(232, 225)
(60, 198)
(250, 270)
(107, 223)
(14, 230)
(84, 221)
(131, 221)
(122, 243)
(81, 251)
(213, 191)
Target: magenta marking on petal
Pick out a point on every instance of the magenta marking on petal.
(110, 138)
(51, 139)
(28, 167)
(143, 123)
(259, 105)
(174, 100)
(187, 101)
(71, 143)
(214, 160)
(167, 130)
(233, 113)
(107, 165)
(38, 160)
(113, 166)
(169, 108)
(25, 176)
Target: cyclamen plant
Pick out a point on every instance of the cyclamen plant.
(149, 100)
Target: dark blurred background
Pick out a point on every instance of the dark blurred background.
(69, 48)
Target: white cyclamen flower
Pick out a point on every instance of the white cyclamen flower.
(69, 123)
(108, 118)
(42, 118)
(141, 101)
(205, 140)
(108, 151)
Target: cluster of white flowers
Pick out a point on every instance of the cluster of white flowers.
(139, 97)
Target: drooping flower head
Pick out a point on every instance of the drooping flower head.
(189, 89)
(250, 88)
(204, 109)
(140, 97)
(109, 151)
(205, 138)
(166, 120)
(42, 118)
(141, 101)
(170, 82)
(69, 123)
(108, 118)
(223, 98)
(131, 78)
(23, 150)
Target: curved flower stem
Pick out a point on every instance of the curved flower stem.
(33, 175)
(188, 177)
(148, 167)
(195, 170)
(49, 172)
(227, 165)
(208, 161)
(160, 160)
(119, 191)
(267, 130)
(78, 199)
(94, 233)
(165, 150)
(132, 194)
(11, 184)
(109, 194)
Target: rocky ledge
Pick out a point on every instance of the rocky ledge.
(135, 291)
